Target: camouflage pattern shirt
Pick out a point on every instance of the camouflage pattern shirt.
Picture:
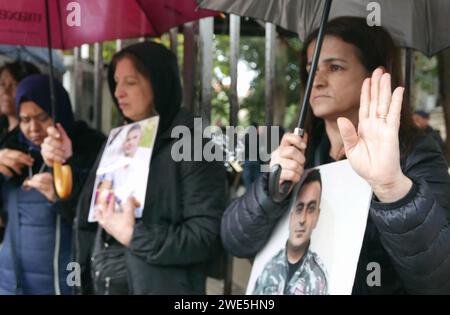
(309, 279)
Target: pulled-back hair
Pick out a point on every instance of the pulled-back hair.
(374, 47)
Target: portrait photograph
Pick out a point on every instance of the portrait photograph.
(125, 164)
(315, 246)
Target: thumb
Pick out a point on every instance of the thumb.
(61, 131)
(131, 204)
(305, 138)
(134, 202)
(348, 134)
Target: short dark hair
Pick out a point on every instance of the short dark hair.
(312, 176)
(422, 114)
(134, 127)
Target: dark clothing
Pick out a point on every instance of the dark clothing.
(36, 88)
(410, 238)
(292, 268)
(252, 169)
(178, 233)
(436, 135)
(43, 232)
(4, 126)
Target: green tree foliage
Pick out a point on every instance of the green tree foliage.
(252, 53)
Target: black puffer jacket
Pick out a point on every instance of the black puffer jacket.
(179, 233)
(410, 238)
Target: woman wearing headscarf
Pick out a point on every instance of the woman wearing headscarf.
(37, 246)
(10, 76)
(168, 249)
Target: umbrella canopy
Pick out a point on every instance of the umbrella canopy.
(73, 23)
(35, 55)
(418, 24)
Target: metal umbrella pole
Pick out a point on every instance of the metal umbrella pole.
(62, 175)
(276, 193)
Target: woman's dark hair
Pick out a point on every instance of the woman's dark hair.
(20, 69)
(137, 64)
(374, 48)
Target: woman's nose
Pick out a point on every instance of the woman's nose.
(319, 79)
(119, 92)
(34, 125)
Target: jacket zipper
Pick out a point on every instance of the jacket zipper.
(56, 255)
(107, 283)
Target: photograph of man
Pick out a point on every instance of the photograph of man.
(295, 269)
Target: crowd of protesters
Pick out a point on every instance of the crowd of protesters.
(186, 220)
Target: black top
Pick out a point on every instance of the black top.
(292, 268)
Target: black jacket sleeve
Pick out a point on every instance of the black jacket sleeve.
(415, 230)
(196, 239)
(249, 220)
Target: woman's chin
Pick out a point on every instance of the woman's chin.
(324, 113)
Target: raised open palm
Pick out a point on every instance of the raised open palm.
(374, 151)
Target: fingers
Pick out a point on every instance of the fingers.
(291, 175)
(385, 95)
(365, 100)
(52, 151)
(131, 204)
(13, 165)
(98, 215)
(348, 134)
(375, 91)
(290, 156)
(41, 182)
(395, 108)
(57, 146)
(53, 132)
(15, 160)
(111, 203)
(61, 131)
(292, 153)
(21, 157)
(6, 171)
(289, 139)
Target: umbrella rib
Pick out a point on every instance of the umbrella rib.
(58, 7)
(138, 2)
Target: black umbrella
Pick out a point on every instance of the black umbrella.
(428, 31)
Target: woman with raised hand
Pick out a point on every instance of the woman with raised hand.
(355, 115)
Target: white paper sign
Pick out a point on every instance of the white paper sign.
(328, 265)
(125, 164)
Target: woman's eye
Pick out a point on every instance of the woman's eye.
(334, 68)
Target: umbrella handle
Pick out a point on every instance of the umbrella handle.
(62, 178)
(277, 194)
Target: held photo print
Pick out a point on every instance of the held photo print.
(314, 248)
(125, 163)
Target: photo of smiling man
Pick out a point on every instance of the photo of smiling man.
(295, 269)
